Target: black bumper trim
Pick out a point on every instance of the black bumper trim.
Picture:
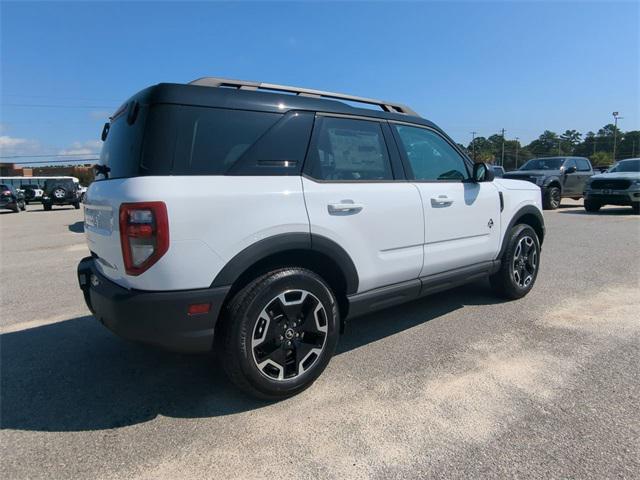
(156, 318)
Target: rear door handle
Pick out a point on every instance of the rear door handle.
(344, 207)
(441, 201)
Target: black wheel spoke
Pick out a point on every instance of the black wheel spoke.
(292, 333)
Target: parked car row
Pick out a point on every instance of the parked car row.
(574, 177)
(49, 191)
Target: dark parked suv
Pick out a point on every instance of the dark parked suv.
(557, 177)
(60, 191)
(11, 199)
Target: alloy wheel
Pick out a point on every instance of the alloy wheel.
(289, 335)
(525, 261)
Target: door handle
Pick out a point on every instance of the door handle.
(345, 207)
(441, 201)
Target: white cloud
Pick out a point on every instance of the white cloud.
(17, 146)
(89, 148)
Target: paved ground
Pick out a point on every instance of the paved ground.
(458, 385)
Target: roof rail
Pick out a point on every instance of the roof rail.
(303, 92)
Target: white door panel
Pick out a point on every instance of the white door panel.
(462, 224)
(379, 224)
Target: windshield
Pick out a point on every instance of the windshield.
(543, 164)
(626, 166)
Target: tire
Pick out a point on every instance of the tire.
(551, 198)
(520, 263)
(636, 208)
(16, 208)
(47, 206)
(591, 206)
(248, 319)
(76, 205)
(23, 206)
(59, 194)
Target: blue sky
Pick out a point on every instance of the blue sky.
(469, 66)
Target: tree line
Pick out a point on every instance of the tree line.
(598, 147)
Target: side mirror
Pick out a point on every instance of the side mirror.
(570, 170)
(482, 173)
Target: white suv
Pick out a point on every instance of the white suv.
(253, 219)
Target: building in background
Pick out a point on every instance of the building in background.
(85, 172)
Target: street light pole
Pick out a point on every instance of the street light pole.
(517, 144)
(473, 145)
(615, 133)
(502, 156)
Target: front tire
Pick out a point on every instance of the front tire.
(279, 333)
(551, 198)
(591, 206)
(76, 205)
(22, 205)
(519, 263)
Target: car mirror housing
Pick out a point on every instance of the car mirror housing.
(570, 170)
(482, 173)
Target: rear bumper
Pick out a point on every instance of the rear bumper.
(156, 318)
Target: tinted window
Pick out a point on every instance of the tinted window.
(583, 164)
(430, 156)
(211, 139)
(121, 149)
(569, 163)
(347, 149)
(281, 150)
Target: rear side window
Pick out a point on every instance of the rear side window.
(211, 140)
(583, 164)
(348, 149)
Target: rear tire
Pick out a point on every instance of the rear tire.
(551, 198)
(76, 205)
(279, 333)
(591, 206)
(520, 263)
(47, 206)
(16, 208)
(22, 206)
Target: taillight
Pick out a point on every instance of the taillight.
(144, 235)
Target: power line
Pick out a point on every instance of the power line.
(87, 160)
(6, 157)
(46, 105)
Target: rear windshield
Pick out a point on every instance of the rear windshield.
(64, 183)
(121, 149)
(182, 140)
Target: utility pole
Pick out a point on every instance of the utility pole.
(473, 144)
(633, 149)
(615, 133)
(517, 145)
(595, 139)
(502, 156)
(559, 142)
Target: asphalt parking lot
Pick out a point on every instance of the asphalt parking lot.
(457, 385)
